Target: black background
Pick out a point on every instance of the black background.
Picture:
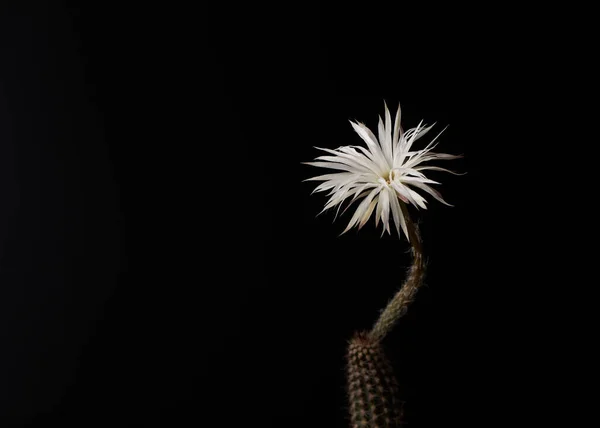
(161, 262)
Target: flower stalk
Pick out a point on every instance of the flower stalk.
(399, 304)
(372, 385)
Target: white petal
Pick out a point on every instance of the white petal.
(399, 220)
(378, 211)
(420, 200)
(354, 157)
(332, 165)
(368, 137)
(403, 193)
(387, 142)
(360, 211)
(423, 131)
(346, 160)
(412, 196)
(417, 156)
(337, 198)
(419, 132)
(407, 172)
(407, 179)
(432, 144)
(367, 213)
(384, 200)
(336, 183)
(329, 176)
(359, 195)
(363, 188)
(381, 163)
(437, 168)
(381, 130)
(430, 156)
(409, 136)
(431, 191)
(397, 128)
(340, 193)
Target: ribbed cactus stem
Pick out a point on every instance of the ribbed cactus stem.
(372, 387)
(398, 305)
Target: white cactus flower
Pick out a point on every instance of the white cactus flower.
(384, 176)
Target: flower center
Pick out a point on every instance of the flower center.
(391, 176)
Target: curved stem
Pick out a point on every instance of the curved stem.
(398, 305)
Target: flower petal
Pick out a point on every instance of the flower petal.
(420, 200)
(381, 131)
(361, 195)
(361, 210)
(367, 214)
(437, 168)
(329, 176)
(346, 161)
(384, 200)
(378, 212)
(397, 128)
(399, 219)
(405, 195)
(331, 165)
(368, 137)
(417, 133)
(430, 156)
(354, 157)
(431, 191)
(387, 141)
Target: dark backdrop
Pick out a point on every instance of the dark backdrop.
(161, 260)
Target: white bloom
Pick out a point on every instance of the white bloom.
(385, 174)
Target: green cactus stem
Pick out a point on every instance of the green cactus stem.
(372, 387)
